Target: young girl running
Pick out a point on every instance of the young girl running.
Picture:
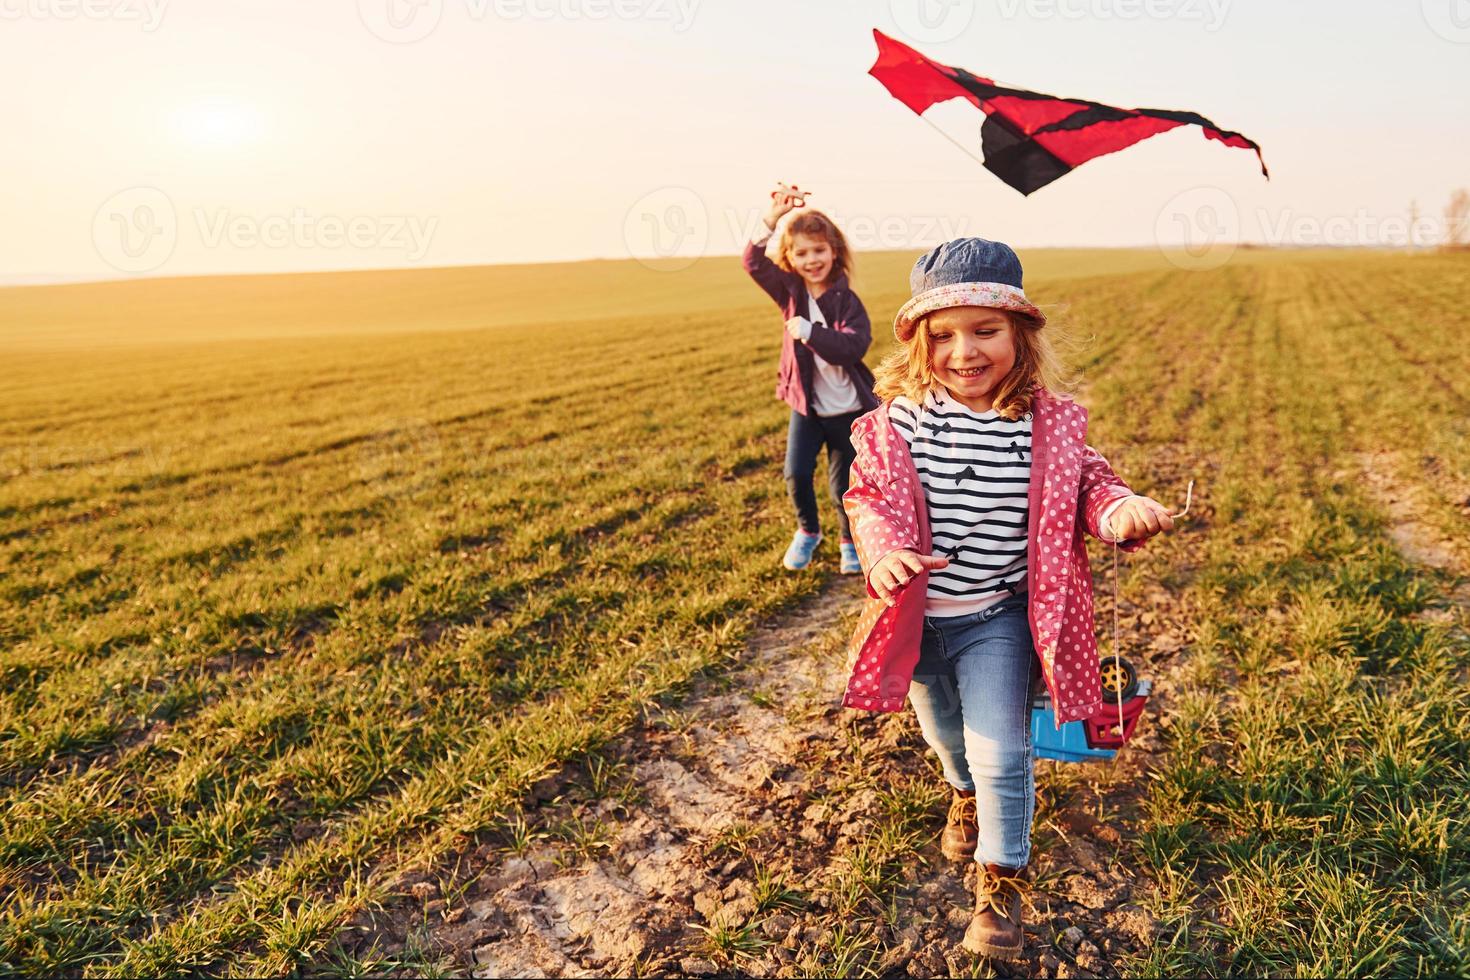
(971, 488)
(822, 375)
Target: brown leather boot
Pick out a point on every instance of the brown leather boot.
(961, 831)
(996, 928)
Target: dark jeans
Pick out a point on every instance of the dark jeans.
(805, 438)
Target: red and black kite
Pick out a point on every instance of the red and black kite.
(1029, 139)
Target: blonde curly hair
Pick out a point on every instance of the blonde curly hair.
(909, 369)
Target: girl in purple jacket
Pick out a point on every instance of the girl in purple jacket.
(822, 376)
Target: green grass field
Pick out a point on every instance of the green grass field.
(306, 579)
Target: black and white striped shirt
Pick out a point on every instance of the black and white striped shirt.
(975, 468)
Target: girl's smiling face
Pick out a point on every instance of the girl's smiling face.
(972, 349)
(811, 257)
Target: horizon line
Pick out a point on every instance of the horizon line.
(48, 281)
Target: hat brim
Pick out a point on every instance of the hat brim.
(998, 295)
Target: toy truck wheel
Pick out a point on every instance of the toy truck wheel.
(1119, 680)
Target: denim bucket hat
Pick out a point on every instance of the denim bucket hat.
(965, 272)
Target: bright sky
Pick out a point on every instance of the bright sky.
(169, 137)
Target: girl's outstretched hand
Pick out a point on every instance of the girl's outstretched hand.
(1138, 519)
(897, 569)
(784, 199)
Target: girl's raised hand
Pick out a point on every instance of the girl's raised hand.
(1138, 519)
(896, 569)
(783, 200)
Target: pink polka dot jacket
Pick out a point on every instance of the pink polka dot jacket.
(1071, 487)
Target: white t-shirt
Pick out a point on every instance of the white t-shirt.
(833, 392)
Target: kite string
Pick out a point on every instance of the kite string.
(1117, 643)
(935, 126)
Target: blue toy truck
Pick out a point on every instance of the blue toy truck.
(1098, 737)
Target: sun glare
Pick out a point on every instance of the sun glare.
(219, 124)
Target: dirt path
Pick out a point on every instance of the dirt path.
(761, 830)
(1417, 537)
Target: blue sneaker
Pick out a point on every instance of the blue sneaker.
(850, 563)
(799, 555)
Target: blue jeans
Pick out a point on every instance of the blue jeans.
(972, 693)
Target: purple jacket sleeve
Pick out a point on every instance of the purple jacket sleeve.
(767, 274)
(847, 338)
